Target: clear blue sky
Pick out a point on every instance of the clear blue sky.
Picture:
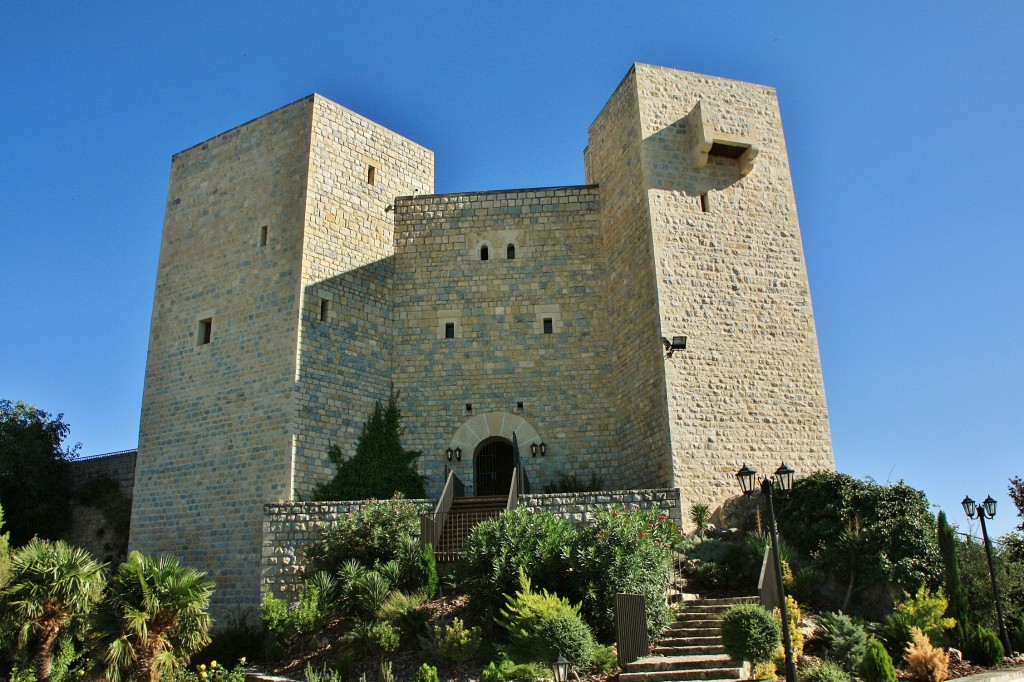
(902, 122)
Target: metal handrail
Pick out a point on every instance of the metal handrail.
(432, 526)
(513, 489)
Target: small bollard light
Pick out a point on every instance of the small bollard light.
(561, 668)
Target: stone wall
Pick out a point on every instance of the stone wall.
(90, 529)
(731, 276)
(550, 387)
(579, 508)
(290, 527)
(344, 361)
(215, 441)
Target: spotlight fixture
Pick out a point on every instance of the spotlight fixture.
(677, 343)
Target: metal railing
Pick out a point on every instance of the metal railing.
(432, 525)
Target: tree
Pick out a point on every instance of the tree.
(53, 588)
(955, 591)
(380, 468)
(5, 553)
(895, 539)
(1017, 495)
(155, 617)
(35, 486)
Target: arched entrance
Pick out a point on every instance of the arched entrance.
(493, 463)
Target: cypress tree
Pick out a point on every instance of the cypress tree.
(955, 591)
(380, 467)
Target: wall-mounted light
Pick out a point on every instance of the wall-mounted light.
(677, 343)
(448, 453)
(458, 454)
(533, 449)
(543, 448)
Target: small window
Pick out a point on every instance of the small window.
(263, 236)
(549, 327)
(449, 330)
(485, 253)
(324, 305)
(469, 408)
(519, 407)
(510, 252)
(371, 175)
(205, 331)
(704, 203)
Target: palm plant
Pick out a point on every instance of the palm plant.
(53, 587)
(700, 514)
(154, 618)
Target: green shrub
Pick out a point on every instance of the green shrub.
(507, 671)
(710, 576)
(845, 641)
(982, 646)
(825, 671)
(750, 633)
(380, 467)
(894, 632)
(369, 593)
(406, 612)
(456, 642)
(569, 635)
(623, 550)
(924, 610)
(418, 569)
(497, 548)
(426, 673)
(876, 665)
(700, 515)
(605, 658)
(522, 616)
(373, 637)
(340, 673)
(372, 535)
(895, 543)
(307, 616)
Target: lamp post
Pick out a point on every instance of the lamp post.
(783, 481)
(987, 510)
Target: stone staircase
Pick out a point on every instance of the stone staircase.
(691, 648)
(465, 513)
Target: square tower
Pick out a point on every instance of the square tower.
(703, 242)
(276, 245)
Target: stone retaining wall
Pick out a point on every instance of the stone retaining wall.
(289, 527)
(579, 508)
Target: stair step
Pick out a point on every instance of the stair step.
(681, 675)
(705, 662)
(699, 640)
(688, 649)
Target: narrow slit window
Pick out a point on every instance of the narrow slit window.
(371, 175)
(510, 252)
(324, 307)
(205, 331)
(485, 253)
(549, 326)
(449, 330)
(519, 407)
(704, 203)
(469, 408)
(263, 235)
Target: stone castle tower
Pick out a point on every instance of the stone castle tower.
(307, 267)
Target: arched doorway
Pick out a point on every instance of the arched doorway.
(493, 463)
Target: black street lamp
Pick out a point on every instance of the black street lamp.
(987, 510)
(783, 481)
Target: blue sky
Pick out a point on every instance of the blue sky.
(902, 123)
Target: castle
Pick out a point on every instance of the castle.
(652, 328)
